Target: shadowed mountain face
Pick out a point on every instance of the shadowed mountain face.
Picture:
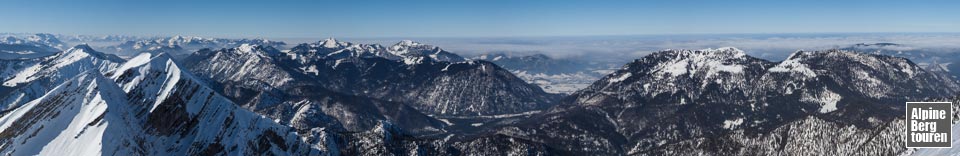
(721, 101)
(254, 76)
(367, 101)
(396, 75)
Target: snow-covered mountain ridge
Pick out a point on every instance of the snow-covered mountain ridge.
(31, 78)
(182, 45)
(721, 101)
(148, 106)
(406, 50)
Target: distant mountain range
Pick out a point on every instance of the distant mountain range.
(181, 45)
(31, 46)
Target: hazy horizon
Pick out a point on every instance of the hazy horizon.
(773, 47)
(379, 19)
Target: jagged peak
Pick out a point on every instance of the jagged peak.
(162, 57)
(105, 84)
(144, 59)
(333, 43)
(139, 60)
(82, 46)
(85, 49)
(141, 66)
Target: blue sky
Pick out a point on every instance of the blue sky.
(473, 18)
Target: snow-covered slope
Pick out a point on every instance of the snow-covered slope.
(723, 102)
(256, 77)
(241, 63)
(408, 48)
(11, 67)
(175, 107)
(86, 115)
(158, 111)
(405, 50)
(441, 88)
(43, 74)
(407, 73)
(931, 59)
(66, 64)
